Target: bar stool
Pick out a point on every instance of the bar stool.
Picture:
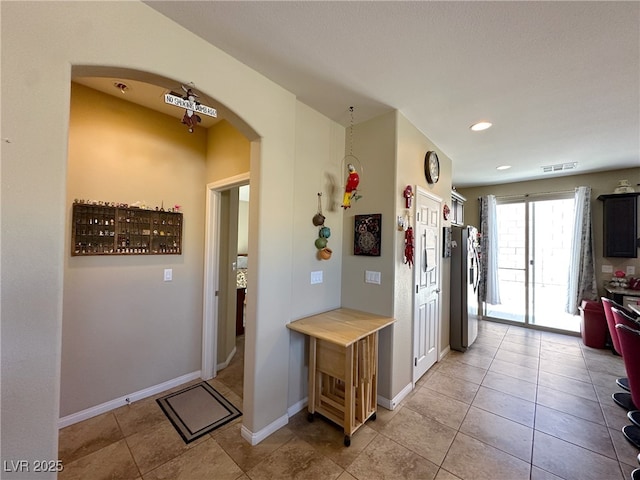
(625, 399)
(607, 303)
(630, 342)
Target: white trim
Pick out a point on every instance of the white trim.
(256, 438)
(225, 364)
(392, 404)
(422, 191)
(444, 353)
(126, 399)
(211, 280)
(427, 193)
(298, 406)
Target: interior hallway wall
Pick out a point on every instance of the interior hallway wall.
(35, 114)
(124, 328)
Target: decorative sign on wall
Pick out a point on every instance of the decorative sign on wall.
(191, 105)
(367, 235)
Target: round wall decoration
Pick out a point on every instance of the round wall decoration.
(431, 167)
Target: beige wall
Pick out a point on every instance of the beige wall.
(319, 149)
(392, 153)
(412, 147)
(118, 313)
(601, 183)
(243, 227)
(41, 41)
(228, 152)
(228, 155)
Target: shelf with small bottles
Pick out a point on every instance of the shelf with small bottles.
(104, 228)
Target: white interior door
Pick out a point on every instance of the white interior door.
(426, 312)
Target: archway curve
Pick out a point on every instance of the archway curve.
(169, 84)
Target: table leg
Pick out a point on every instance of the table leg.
(349, 400)
(311, 406)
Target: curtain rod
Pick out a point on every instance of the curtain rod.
(538, 194)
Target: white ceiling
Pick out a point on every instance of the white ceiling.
(559, 80)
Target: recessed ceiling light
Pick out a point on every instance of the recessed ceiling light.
(503, 167)
(477, 127)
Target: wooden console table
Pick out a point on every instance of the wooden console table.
(343, 365)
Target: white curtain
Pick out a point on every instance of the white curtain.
(582, 277)
(489, 285)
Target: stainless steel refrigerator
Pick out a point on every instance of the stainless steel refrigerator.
(465, 276)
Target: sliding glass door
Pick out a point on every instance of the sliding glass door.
(512, 262)
(534, 246)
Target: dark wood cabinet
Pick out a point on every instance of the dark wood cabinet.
(240, 296)
(114, 230)
(620, 233)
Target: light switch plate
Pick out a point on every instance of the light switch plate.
(316, 277)
(631, 270)
(372, 277)
(168, 274)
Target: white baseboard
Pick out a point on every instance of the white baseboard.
(225, 364)
(296, 407)
(444, 352)
(256, 438)
(125, 400)
(393, 403)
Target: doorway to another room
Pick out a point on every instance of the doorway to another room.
(231, 371)
(226, 276)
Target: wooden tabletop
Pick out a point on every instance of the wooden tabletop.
(342, 326)
(622, 291)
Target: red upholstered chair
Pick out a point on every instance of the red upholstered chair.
(625, 399)
(607, 303)
(629, 338)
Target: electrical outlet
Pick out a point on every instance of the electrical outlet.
(168, 274)
(631, 270)
(316, 277)
(607, 268)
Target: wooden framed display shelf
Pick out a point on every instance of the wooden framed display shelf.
(116, 230)
(343, 365)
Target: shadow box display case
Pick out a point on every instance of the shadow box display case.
(115, 229)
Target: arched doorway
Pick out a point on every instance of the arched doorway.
(138, 322)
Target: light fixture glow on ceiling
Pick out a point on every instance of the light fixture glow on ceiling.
(503, 167)
(478, 127)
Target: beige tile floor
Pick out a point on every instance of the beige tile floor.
(519, 404)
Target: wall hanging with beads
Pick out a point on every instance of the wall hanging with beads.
(324, 232)
(404, 225)
(353, 168)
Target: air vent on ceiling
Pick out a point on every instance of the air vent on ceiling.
(560, 167)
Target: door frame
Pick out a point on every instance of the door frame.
(211, 271)
(422, 191)
(529, 202)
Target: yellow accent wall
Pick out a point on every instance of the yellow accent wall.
(125, 329)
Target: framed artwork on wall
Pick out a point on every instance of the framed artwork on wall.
(367, 235)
